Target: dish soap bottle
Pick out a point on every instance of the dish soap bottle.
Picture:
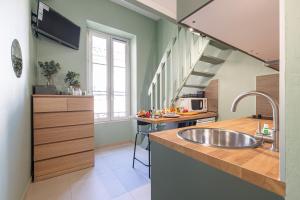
(265, 130)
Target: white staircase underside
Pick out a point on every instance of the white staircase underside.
(168, 7)
(249, 25)
(189, 63)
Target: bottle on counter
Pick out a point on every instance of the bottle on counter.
(153, 113)
(265, 130)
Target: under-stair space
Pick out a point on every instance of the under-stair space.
(188, 65)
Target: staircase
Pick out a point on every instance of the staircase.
(187, 66)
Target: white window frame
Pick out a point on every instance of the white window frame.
(110, 100)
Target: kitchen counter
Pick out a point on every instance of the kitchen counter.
(61, 96)
(178, 119)
(259, 166)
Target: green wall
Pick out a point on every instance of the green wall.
(292, 96)
(165, 31)
(15, 125)
(110, 14)
(236, 75)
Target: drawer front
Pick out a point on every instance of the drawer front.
(49, 104)
(59, 134)
(77, 104)
(62, 165)
(46, 151)
(47, 120)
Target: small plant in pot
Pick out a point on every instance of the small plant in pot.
(72, 80)
(49, 69)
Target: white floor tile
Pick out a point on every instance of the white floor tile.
(112, 185)
(126, 196)
(142, 193)
(53, 189)
(131, 178)
(91, 189)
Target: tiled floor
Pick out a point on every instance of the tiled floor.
(112, 178)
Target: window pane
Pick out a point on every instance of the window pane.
(119, 53)
(99, 77)
(109, 68)
(100, 106)
(119, 79)
(119, 105)
(99, 50)
(120, 114)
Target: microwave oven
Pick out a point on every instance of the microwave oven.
(193, 104)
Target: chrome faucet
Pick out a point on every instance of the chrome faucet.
(275, 130)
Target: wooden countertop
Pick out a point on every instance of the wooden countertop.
(258, 166)
(61, 96)
(178, 119)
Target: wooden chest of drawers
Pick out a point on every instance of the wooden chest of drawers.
(63, 134)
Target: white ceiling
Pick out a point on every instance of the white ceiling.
(137, 9)
(249, 25)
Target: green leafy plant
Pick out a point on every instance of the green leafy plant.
(72, 79)
(49, 69)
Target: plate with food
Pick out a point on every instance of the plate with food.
(171, 115)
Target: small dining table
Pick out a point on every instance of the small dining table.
(182, 118)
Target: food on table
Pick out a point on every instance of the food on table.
(148, 114)
(172, 111)
(141, 113)
(172, 108)
(185, 110)
(157, 113)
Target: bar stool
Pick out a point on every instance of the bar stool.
(146, 134)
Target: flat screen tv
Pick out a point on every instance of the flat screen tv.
(55, 26)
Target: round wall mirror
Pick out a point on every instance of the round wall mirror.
(16, 58)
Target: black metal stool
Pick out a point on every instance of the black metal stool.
(140, 123)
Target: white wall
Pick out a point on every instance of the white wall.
(291, 78)
(15, 128)
(236, 75)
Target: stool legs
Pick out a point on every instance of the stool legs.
(149, 152)
(134, 149)
(149, 156)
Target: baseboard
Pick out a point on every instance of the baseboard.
(26, 188)
(107, 146)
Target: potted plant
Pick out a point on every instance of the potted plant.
(49, 69)
(72, 80)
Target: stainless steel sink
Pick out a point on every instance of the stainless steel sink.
(219, 138)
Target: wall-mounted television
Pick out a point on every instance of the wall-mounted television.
(53, 25)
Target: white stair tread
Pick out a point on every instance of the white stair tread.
(205, 74)
(211, 59)
(219, 45)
